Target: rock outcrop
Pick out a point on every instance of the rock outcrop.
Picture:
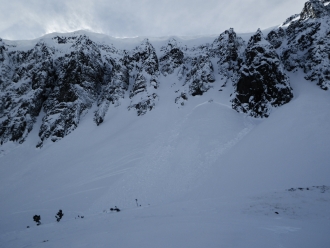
(262, 83)
(173, 57)
(79, 77)
(144, 68)
(201, 76)
(26, 79)
(228, 48)
(114, 85)
(303, 42)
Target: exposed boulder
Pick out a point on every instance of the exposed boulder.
(181, 99)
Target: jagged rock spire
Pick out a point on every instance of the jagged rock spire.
(228, 48)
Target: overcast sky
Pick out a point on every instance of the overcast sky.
(28, 19)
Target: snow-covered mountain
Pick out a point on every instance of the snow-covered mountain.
(61, 76)
(206, 141)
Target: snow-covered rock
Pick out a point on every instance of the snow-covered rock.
(173, 57)
(26, 79)
(144, 69)
(262, 83)
(79, 77)
(303, 42)
(200, 77)
(314, 9)
(228, 48)
(192, 65)
(114, 86)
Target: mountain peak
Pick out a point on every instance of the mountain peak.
(314, 9)
(258, 37)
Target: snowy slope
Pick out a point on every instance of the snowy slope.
(204, 175)
(149, 126)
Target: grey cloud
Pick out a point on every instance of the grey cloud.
(32, 18)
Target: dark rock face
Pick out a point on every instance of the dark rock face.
(200, 76)
(26, 79)
(262, 83)
(79, 77)
(114, 87)
(144, 66)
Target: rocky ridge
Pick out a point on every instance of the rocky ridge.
(303, 41)
(62, 77)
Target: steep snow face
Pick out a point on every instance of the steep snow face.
(262, 83)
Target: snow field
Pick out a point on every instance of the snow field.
(203, 174)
